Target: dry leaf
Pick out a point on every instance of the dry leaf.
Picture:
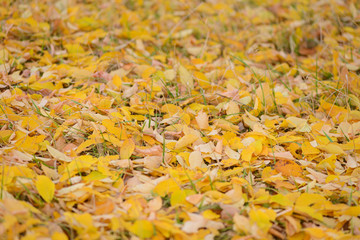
(175, 120)
(186, 78)
(185, 141)
(288, 168)
(127, 149)
(45, 187)
(202, 120)
(195, 159)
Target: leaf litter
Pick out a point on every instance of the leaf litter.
(179, 119)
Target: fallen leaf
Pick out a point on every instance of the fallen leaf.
(143, 229)
(195, 159)
(45, 187)
(288, 168)
(186, 78)
(57, 154)
(185, 141)
(127, 149)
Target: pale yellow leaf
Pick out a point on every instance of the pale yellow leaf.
(152, 161)
(170, 74)
(186, 78)
(195, 159)
(332, 148)
(202, 120)
(127, 149)
(57, 154)
(185, 141)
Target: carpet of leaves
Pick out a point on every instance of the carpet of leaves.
(217, 119)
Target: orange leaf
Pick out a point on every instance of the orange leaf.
(288, 168)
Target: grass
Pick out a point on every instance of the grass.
(239, 58)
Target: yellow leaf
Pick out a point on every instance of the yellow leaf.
(185, 141)
(59, 236)
(263, 92)
(236, 144)
(230, 162)
(307, 199)
(81, 163)
(352, 145)
(225, 125)
(117, 131)
(8, 220)
(281, 199)
(257, 146)
(178, 198)
(166, 187)
(148, 72)
(185, 118)
(261, 219)
(247, 153)
(84, 145)
(171, 109)
(202, 79)
(232, 108)
(186, 78)
(115, 223)
(166, 228)
(127, 148)
(45, 187)
(85, 219)
(143, 229)
(208, 214)
(328, 163)
(307, 149)
(42, 85)
(355, 115)
(299, 123)
(352, 211)
(94, 175)
(331, 109)
(74, 48)
(30, 144)
(104, 103)
(331, 177)
(283, 68)
(315, 232)
(115, 141)
(116, 80)
(5, 135)
(332, 148)
(305, 204)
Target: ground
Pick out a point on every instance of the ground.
(216, 119)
